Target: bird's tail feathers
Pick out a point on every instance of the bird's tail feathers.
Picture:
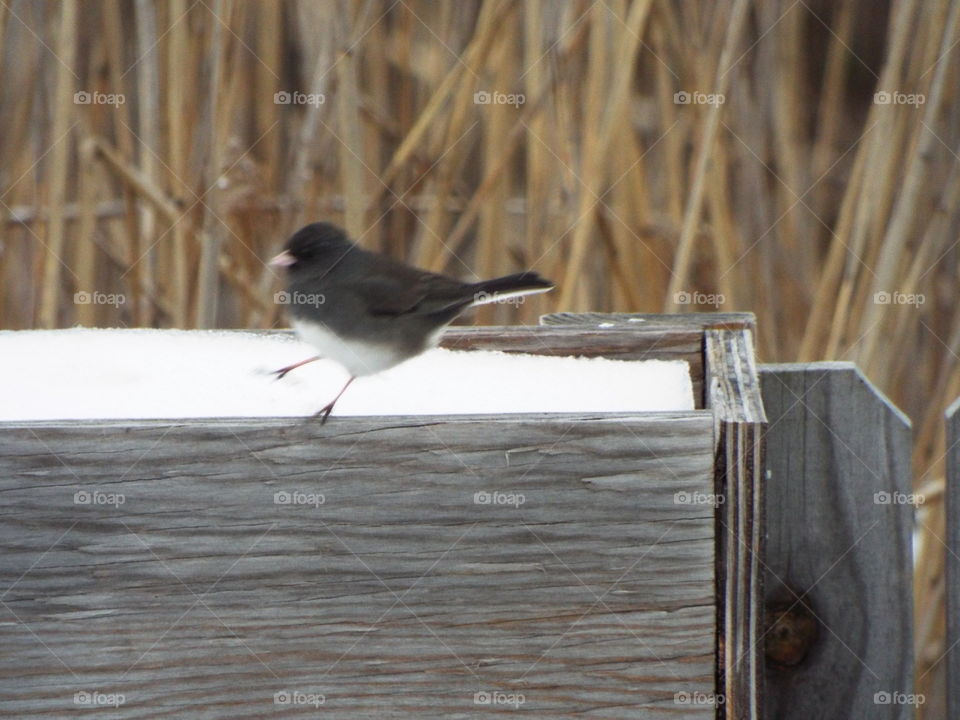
(509, 286)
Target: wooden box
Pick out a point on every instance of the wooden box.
(448, 566)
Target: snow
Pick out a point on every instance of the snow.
(104, 374)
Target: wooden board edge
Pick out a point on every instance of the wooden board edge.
(952, 559)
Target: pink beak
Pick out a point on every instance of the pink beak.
(284, 259)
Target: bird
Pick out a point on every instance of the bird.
(369, 312)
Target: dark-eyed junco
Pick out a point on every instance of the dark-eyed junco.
(369, 312)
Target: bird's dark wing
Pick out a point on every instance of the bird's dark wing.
(391, 288)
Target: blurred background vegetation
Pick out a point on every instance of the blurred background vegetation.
(793, 158)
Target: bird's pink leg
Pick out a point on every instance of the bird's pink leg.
(328, 408)
(283, 371)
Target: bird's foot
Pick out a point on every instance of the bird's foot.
(328, 408)
(284, 370)
(324, 412)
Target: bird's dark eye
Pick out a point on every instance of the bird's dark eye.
(302, 252)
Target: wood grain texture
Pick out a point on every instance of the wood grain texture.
(952, 560)
(201, 596)
(838, 555)
(694, 321)
(616, 343)
(733, 395)
(725, 380)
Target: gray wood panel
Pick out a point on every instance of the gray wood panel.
(617, 343)
(724, 374)
(952, 560)
(690, 321)
(839, 641)
(201, 596)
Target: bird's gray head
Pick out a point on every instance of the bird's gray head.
(319, 242)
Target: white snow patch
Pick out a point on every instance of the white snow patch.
(103, 374)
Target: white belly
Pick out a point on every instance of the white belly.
(357, 357)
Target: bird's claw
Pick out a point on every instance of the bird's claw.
(324, 413)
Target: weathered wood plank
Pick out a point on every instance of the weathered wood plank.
(724, 374)
(202, 594)
(839, 641)
(690, 321)
(952, 559)
(733, 395)
(625, 343)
